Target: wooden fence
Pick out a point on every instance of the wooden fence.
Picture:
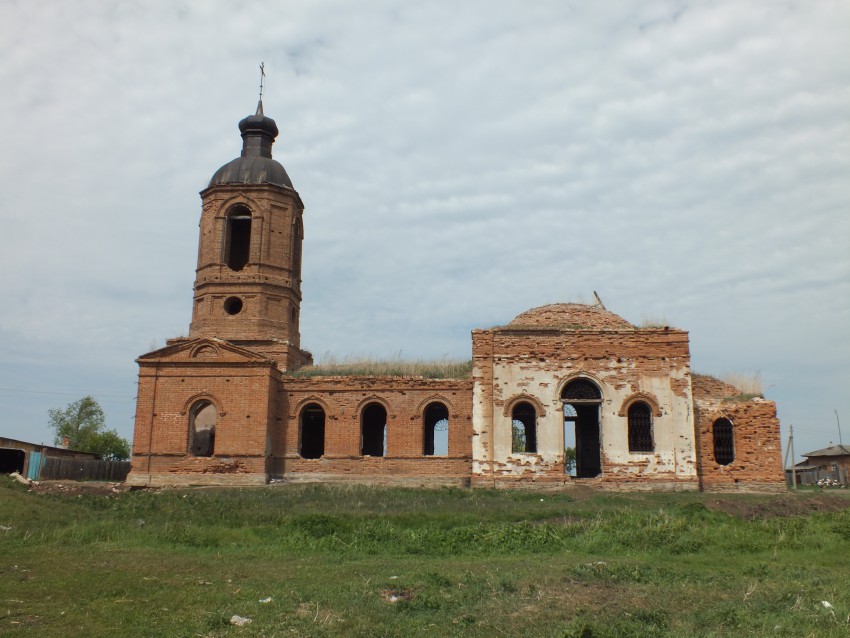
(55, 468)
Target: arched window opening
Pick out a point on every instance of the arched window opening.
(237, 238)
(374, 430)
(203, 416)
(436, 430)
(297, 236)
(640, 428)
(524, 428)
(312, 432)
(580, 390)
(724, 442)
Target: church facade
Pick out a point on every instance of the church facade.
(227, 404)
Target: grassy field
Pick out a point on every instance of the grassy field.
(360, 561)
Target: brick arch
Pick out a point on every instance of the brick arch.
(305, 402)
(197, 351)
(582, 374)
(374, 399)
(434, 398)
(527, 398)
(202, 396)
(644, 397)
(238, 198)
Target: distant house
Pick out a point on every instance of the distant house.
(831, 462)
(27, 459)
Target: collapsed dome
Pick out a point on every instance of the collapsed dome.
(255, 165)
(570, 316)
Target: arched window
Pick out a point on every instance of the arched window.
(297, 236)
(524, 427)
(724, 442)
(237, 238)
(373, 423)
(436, 430)
(312, 432)
(202, 417)
(640, 427)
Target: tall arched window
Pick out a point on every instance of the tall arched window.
(237, 238)
(724, 441)
(524, 428)
(202, 420)
(373, 423)
(640, 427)
(312, 432)
(436, 430)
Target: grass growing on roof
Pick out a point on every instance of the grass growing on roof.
(330, 366)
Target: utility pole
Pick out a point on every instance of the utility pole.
(840, 442)
(790, 449)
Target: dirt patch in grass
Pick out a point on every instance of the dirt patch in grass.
(74, 488)
(783, 506)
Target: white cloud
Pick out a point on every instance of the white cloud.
(459, 163)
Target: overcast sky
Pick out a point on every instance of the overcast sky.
(460, 162)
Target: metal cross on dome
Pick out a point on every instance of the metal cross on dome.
(262, 77)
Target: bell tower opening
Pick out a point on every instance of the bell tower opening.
(237, 238)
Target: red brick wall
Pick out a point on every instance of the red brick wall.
(758, 451)
(343, 399)
(242, 393)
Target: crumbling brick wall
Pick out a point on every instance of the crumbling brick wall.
(757, 463)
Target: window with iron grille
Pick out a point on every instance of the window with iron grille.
(524, 428)
(581, 390)
(724, 442)
(640, 428)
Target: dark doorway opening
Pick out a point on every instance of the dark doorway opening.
(436, 430)
(374, 430)
(581, 419)
(312, 432)
(12, 460)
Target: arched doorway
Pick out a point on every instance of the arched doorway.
(582, 399)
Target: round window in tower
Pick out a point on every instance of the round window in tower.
(233, 305)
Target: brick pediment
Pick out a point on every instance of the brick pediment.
(205, 350)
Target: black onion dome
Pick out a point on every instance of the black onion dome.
(255, 165)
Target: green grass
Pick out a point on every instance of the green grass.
(361, 561)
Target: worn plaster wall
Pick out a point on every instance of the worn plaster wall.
(653, 365)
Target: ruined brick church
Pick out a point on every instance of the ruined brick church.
(225, 406)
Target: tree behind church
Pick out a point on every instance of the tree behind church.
(82, 426)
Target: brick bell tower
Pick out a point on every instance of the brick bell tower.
(248, 280)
